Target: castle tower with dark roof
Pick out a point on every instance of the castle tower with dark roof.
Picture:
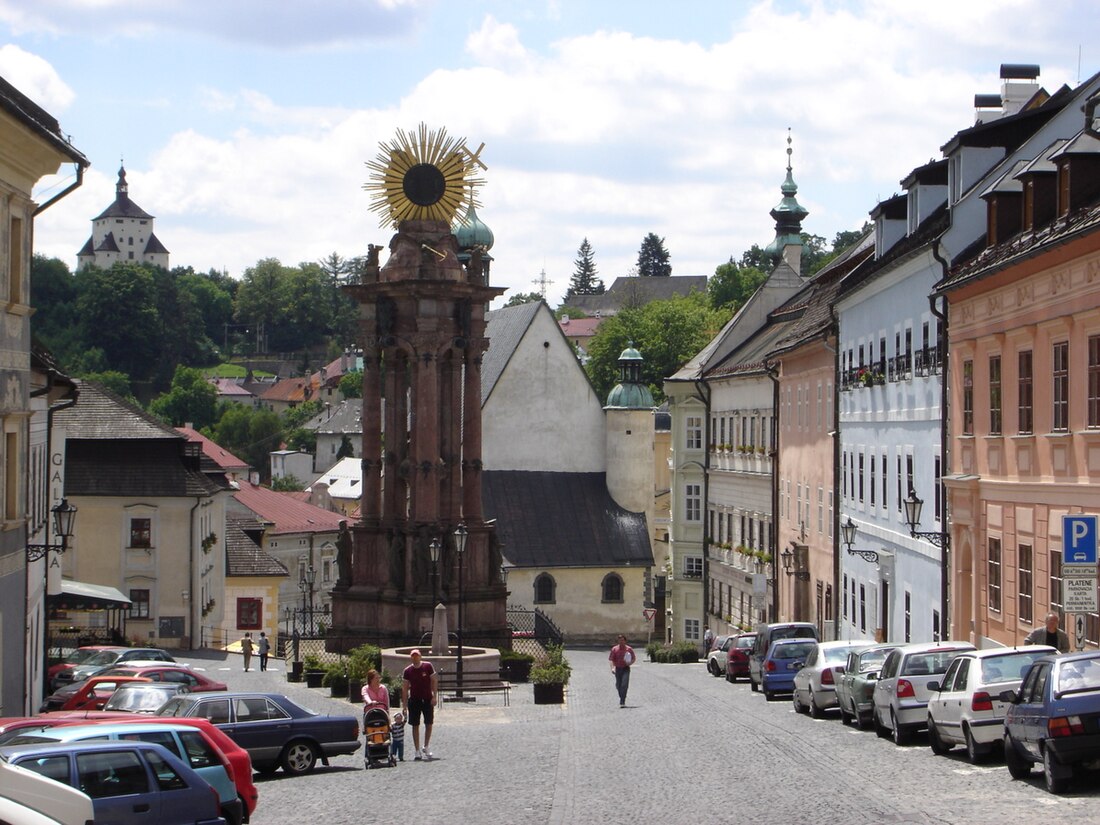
(122, 232)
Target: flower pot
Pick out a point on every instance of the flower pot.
(314, 678)
(295, 672)
(355, 691)
(339, 690)
(553, 694)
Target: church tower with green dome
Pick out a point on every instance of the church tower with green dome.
(788, 214)
(630, 421)
(474, 239)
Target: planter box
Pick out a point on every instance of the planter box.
(339, 691)
(355, 691)
(549, 694)
(295, 672)
(314, 677)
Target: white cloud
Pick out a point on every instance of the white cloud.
(496, 44)
(35, 78)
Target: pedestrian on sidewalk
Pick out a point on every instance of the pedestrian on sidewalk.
(419, 687)
(246, 650)
(397, 736)
(708, 640)
(264, 648)
(621, 658)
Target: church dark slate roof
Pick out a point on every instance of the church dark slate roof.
(87, 249)
(108, 244)
(563, 520)
(154, 246)
(123, 207)
(243, 556)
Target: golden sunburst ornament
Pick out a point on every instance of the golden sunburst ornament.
(423, 175)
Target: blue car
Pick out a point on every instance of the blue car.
(783, 660)
(1054, 719)
(130, 783)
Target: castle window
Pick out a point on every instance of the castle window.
(545, 588)
(612, 588)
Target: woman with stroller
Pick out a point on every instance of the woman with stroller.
(377, 726)
(375, 694)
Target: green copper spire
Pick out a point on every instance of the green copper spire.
(788, 213)
(630, 392)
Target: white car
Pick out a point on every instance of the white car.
(815, 684)
(901, 692)
(53, 801)
(716, 659)
(964, 708)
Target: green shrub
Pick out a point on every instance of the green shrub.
(515, 656)
(362, 659)
(554, 669)
(312, 662)
(652, 649)
(336, 676)
(674, 653)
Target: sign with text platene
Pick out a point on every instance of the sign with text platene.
(1079, 594)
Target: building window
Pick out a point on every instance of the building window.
(249, 614)
(1060, 387)
(908, 616)
(141, 532)
(935, 625)
(692, 502)
(691, 630)
(545, 589)
(1056, 581)
(1094, 381)
(694, 432)
(613, 587)
(994, 395)
(874, 480)
(139, 604)
(968, 398)
(939, 489)
(862, 609)
(693, 567)
(1025, 420)
(885, 478)
(12, 508)
(15, 262)
(861, 477)
(993, 568)
(1026, 577)
(844, 600)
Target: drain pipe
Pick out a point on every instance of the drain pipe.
(702, 392)
(772, 369)
(74, 185)
(945, 536)
(835, 350)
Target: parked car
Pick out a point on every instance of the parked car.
(784, 659)
(737, 657)
(179, 674)
(130, 783)
(274, 730)
(716, 659)
(110, 657)
(47, 797)
(143, 697)
(815, 684)
(965, 707)
(1054, 718)
(768, 633)
(194, 747)
(856, 686)
(901, 692)
(88, 694)
(75, 657)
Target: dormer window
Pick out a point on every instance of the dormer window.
(954, 178)
(913, 213)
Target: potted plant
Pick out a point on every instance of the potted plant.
(550, 676)
(314, 671)
(336, 679)
(359, 661)
(515, 666)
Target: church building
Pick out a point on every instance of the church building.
(122, 232)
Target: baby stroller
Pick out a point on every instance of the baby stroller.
(376, 728)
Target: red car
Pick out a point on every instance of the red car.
(737, 657)
(196, 682)
(11, 726)
(91, 694)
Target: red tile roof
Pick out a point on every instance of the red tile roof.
(580, 327)
(286, 512)
(227, 386)
(218, 454)
(291, 390)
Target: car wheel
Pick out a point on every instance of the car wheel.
(768, 695)
(881, 731)
(730, 677)
(798, 706)
(753, 686)
(1018, 767)
(713, 666)
(845, 717)
(974, 752)
(1054, 783)
(939, 747)
(299, 758)
(231, 818)
(901, 736)
(815, 711)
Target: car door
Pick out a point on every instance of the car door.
(119, 785)
(884, 687)
(949, 718)
(259, 726)
(1031, 712)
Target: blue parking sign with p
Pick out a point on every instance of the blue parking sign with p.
(1079, 538)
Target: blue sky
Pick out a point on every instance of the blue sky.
(245, 125)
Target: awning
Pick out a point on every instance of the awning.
(84, 596)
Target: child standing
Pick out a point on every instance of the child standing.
(397, 736)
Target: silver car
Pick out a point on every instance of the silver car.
(716, 659)
(901, 692)
(815, 684)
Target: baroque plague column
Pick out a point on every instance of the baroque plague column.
(422, 331)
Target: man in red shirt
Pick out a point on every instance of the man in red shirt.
(621, 658)
(418, 691)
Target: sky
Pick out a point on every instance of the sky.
(245, 126)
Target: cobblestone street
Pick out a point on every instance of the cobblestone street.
(687, 748)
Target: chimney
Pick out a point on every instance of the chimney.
(1019, 84)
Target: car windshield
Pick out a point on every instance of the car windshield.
(104, 657)
(141, 701)
(794, 651)
(836, 654)
(173, 707)
(932, 662)
(1010, 667)
(872, 660)
(745, 641)
(1078, 676)
(80, 655)
(794, 633)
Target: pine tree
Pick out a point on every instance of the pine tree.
(584, 280)
(653, 257)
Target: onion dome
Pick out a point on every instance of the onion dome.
(630, 392)
(470, 231)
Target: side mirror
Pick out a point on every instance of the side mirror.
(1010, 696)
(838, 670)
(934, 686)
(872, 676)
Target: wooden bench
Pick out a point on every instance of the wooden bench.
(473, 683)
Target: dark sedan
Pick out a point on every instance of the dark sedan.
(1054, 719)
(274, 730)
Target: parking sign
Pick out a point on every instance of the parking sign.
(1079, 537)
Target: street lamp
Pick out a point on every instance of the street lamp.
(305, 584)
(433, 550)
(64, 520)
(460, 548)
(913, 507)
(848, 534)
(788, 559)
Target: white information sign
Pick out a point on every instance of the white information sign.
(1079, 593)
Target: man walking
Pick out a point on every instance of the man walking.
(1051, 635)
(419, 686)
(264, 648)
(246, 650)
(621, 658)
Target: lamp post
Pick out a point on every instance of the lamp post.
(913, 507)
(433, 551)
(460, 549)
(305, 584)
(848, 536)
(64, 520)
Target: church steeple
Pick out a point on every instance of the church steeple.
(788, 215)
(121, 188)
